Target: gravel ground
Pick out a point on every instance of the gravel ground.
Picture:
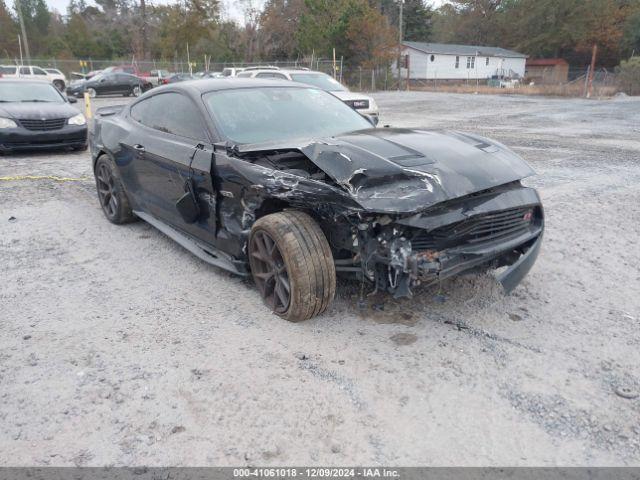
(118, 347)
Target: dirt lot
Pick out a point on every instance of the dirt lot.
(119, 347)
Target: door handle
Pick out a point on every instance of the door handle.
(139, 148)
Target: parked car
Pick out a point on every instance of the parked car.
(284, 182)
(35, 115)
(110, 84)
(130, 69)
(364, 104)
(231, 71)
(157, 77)
(207, 75)
(77, 76)
(58, 78)
(31, 72)
(178, 77)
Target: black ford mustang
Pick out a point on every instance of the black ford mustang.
(35, 115)
(286, 183)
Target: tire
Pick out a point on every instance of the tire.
(111, 193)
(59, 84)
(136, 91)
(289, 248)
(92, 93)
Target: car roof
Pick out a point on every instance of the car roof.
(22, 81)
(216, 84)
(286, 70)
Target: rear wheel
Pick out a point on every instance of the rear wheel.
(111, 193)
(59, 84)
(292, 265)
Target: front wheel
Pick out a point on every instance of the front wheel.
(92, 92)
(59, 84)
(137, 91)
(292, 265)
(111, 193)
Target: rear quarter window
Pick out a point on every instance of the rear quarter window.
(184, 121)
(8, 70)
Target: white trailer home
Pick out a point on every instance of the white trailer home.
(441, 61)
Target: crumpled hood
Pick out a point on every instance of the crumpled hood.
(401, 170)
(37, 110)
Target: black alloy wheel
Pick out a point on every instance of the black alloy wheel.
(270, 272)
(107, 191)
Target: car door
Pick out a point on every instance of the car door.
(122, 84)
(39, 73)
(104, 85)
(170, 150)
(25, 72)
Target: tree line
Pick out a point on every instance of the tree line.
(362, 32)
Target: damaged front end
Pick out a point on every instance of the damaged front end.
(497, 228)
(402, 208)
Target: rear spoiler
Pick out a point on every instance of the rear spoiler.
(110, 110)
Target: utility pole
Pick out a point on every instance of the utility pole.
(20, 47)
(24, 31)
(143, 11)
(400, 44)
(592, 69)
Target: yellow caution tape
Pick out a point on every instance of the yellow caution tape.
(43, 177)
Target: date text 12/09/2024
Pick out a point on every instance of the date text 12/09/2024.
(316, 472)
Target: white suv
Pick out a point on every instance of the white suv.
(31, 72)
(363, 104)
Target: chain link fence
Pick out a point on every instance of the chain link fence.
(574, 82)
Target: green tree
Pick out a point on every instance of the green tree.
(325, 24)
(631, 39)
(36, 17)
(8, 32)
(417, 21)
(372, 42)
(278, 27)
(629, 76)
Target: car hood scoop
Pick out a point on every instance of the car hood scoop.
(403, 170)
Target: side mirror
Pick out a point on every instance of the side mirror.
(373, 119)
(72, 100)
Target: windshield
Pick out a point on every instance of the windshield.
(319, 80)
(29, 92)
(256, 115)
